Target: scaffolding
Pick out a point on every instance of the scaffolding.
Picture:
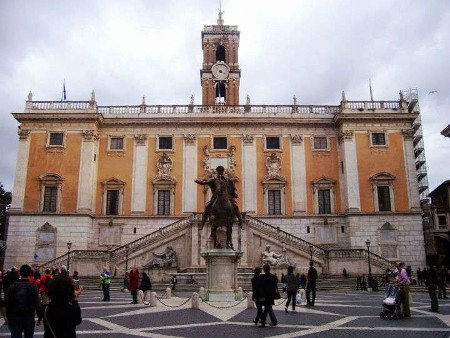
(412, 98)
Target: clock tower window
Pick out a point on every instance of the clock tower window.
(220, 92)
(220, 53)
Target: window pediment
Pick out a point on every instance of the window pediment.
(50, 178)
(113, 183)
(323, 182)
(383, 176)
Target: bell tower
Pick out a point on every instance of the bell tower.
(220, 74)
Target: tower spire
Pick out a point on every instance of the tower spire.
(220, 19)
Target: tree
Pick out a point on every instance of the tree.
(5, 202)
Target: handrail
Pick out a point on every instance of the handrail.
(121, 251)
(319, 252)
(63, 258)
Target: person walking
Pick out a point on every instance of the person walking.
(133, 275)
(22, 302)
(146, 285)
(431, 283)
(62, 314)
(419, 276)
(105, 282)
(44, 282)
(258, 294)
(403, 282)
(291, 288)
(311, 284)
(442, 282)
(269, 283)
(76, 280)
(174, 281)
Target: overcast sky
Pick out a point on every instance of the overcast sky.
(313, 49)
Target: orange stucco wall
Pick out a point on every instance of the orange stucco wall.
(321, 164)
(119, 165)
(374, 160)
(62, 161)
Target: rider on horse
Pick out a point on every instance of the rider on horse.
(213, 184)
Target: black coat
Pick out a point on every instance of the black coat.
(257, 288)
(312, 276)
(145, 284)
(270, 284)
(62, 318)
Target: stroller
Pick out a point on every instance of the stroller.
(391, 302)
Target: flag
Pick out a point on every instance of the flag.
(64, 92)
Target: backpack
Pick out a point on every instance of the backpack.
(23, 300)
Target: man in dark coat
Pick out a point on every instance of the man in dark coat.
(270, 283)
(311, 286)
(258, 294)
(431, 283)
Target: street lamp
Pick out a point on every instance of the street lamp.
(310, 252)
(126, 257)
(368, 261)
(69, 245)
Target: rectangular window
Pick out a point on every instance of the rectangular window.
(163, 202)
(112, 202)
(116, 143)
(384, 198)
(273, 142)
(324, 201)
(378, 139)
(442, 221)
(50, 199)
(165, 143)
(56, 139)
(220, 143)
(274, 198)
(320, 143)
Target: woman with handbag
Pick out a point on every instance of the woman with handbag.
(62, 314)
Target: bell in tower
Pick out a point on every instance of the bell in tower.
(220, 74)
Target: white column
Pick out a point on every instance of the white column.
(189, 174)
(350, 170)
(249, 177)
(410, 168)
(20, 177)
(87, 172)
(139, 181)
(298, 170)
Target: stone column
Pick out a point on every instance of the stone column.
(20, 178)
(195, 246)
(410, 168)
(350, 170)
(249, 176)
(298, 170)
(139, 181)
(88, 170)
(189, 174)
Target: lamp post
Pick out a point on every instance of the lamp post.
(69, 246)
(310, 252)
(126, 257)
(368, 261)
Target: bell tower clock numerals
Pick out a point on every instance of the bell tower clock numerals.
(220, 74)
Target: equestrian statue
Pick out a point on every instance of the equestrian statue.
(222, 209)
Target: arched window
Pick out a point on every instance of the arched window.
(220, 92)
(220, 53)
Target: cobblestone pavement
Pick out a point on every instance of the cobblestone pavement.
(336, 314)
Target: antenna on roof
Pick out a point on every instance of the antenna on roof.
(370, 88)
(220, 20)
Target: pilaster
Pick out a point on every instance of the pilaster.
(249, 176)
(189, 173)
(139, 181)
(20, 177)
(298, 169)
(350, 169)
(87, 172)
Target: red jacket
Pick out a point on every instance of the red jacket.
(42, 287)
(134, 280)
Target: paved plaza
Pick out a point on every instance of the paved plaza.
(336, 314)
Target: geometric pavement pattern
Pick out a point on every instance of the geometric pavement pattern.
(336, 314)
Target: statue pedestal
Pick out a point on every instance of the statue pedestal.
(221, 274)
(160, 275)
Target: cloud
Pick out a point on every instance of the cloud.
(313, 49)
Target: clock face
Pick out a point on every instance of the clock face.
(220, 71)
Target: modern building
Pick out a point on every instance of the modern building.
(313, 180)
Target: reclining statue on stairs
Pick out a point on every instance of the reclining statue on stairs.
(167, 259)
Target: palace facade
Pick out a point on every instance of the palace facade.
(314, 180)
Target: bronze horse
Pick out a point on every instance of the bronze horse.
(222, 213)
